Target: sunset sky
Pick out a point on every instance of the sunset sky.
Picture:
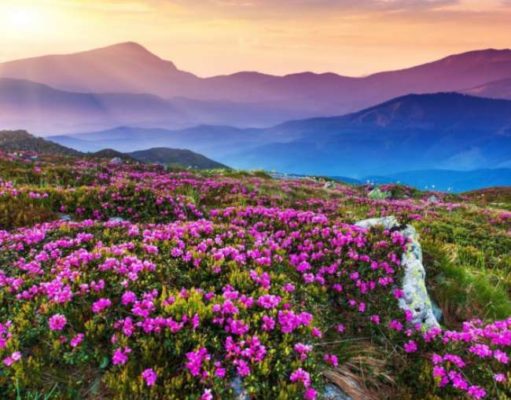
(208, 37)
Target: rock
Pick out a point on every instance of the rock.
(115, 161)
(416, 298)
(116, 219)
(332, 392)
(437, 311)
(378, 194)
(239, 391)
(433, 199)
(329, 185)
(65, 217)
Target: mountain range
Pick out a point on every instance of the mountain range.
(126, 85)
(17, 141)
(413, 132)
(452, 114)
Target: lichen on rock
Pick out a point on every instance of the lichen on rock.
(416, 298)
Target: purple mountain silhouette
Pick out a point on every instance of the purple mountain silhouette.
(245, 98)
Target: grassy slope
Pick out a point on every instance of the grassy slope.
(467, 247)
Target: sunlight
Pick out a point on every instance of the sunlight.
(24, 18)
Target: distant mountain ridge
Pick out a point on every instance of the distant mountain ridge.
(42, 109)
(244, 99)
(16, 141)
(413, 132)
(185, 158)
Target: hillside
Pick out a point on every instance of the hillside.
(43, 109)
(495, 90)
(128, 68)
(448, 180)
(135, 281)
(414, 132)
(166, 156)
(12, 141)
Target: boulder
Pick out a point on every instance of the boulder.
(416, 298)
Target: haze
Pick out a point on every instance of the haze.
(209, 37)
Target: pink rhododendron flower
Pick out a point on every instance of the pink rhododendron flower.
(57, 322)
(149, 376)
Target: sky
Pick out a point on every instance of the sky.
(212, 37)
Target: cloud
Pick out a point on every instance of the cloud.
(290, 5)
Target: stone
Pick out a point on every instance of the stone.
(329, 185)
(116, 161)
(239, 391)
(332, 392)
(65, 217)
(416, 298)
(116, 219)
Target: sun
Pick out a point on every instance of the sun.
(23, 18)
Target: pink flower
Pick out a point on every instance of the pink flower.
(410, 347)
(302, 376)
(331, 359)
(499, 378)
(14, 357)
(120, 356)
(476, 392)
(77, 340)
(57, 322)
(100, 305)
(207, 395)
(310, 394)
(149, 376)
(303, 350)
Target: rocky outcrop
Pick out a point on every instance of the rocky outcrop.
(416, 298)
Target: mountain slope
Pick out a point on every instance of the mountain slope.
(448, 131)
(449, 180)
(130, 68)
(166, 156)
(42, 109)
(495, 90)
(11, 141)
(414, 132)
(125, 67)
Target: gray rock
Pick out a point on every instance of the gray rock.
(65, 217)
(116, 161)
(239, 391)
(116, 219)
(433, 199)
(416, 298)
(332, 392)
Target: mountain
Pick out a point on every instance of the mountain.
(126, 68)
(214, 141)
(413, 132)
(495, 90)
(42, 109)
(111, 154)
(448, 180)
(11, 141)
(130, 68)
(185, 158)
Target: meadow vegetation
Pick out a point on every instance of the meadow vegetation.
(132, 281)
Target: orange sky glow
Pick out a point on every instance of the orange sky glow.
(210, 37)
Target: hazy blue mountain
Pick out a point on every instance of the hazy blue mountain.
(414, 132)
(43, 109)
(448, 180)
